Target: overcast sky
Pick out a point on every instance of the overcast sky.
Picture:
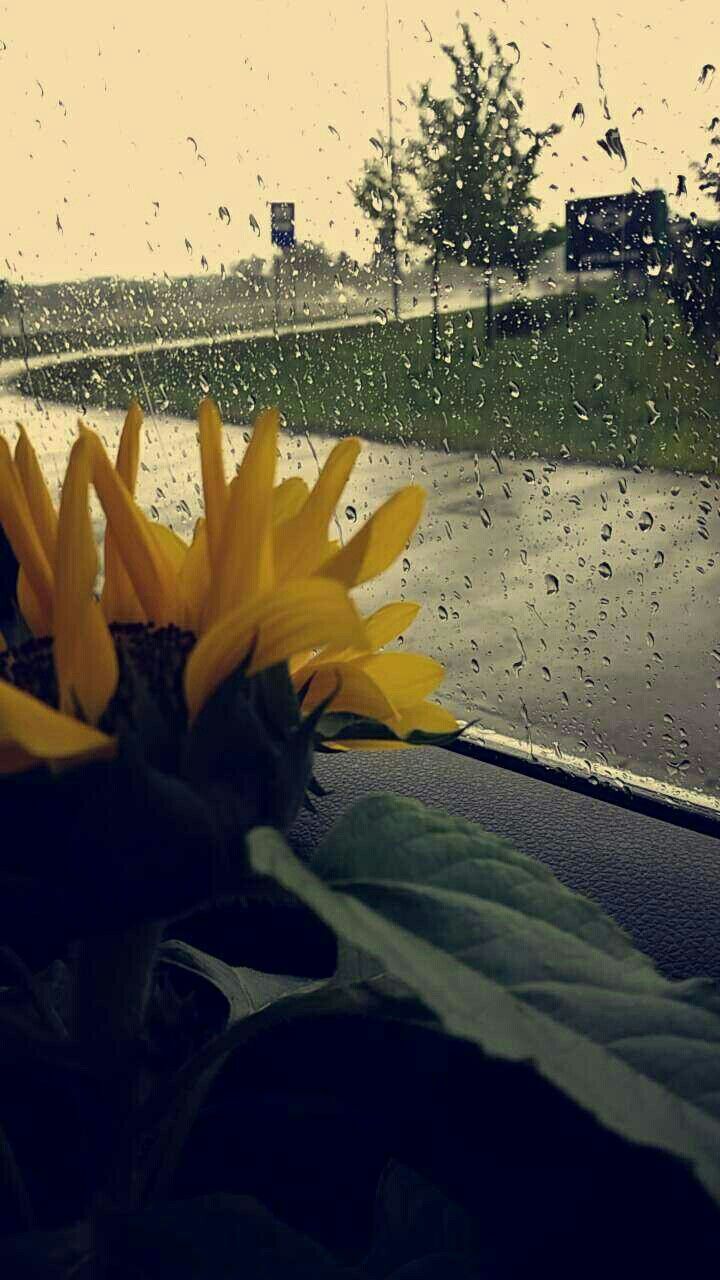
(99, 102)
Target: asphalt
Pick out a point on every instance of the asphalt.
(566, 619)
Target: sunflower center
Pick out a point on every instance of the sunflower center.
(153, 657)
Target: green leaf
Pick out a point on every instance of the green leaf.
(273, 694)
(215, 1237)
(170, 1115)
(343, 726)
(45, 1255)
(414, 1219)
(246, 990)
(249, 753)
(514, 962)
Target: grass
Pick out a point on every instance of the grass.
(596, 376)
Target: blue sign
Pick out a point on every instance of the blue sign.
(282, 224)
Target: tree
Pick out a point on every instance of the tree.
(384, 195)
(475, 163)
(709, 171)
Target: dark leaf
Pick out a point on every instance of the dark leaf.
(218, 1237)
(515, 963)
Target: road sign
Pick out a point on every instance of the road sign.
(623, 232)
(282, 224)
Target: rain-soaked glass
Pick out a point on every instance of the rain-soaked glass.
(486, 241)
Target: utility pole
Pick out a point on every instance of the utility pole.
(394, 265)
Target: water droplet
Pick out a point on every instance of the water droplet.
(442, 613)
(514, 390)
(485, 517)
(468, 581)
(476, 665)
(606, 532)
(545, 673)
(406, 565)
(351, 514)
(659, 560)
(604, 569)
(646, 521)
(580, 410)
(381, 315)
(552, 586)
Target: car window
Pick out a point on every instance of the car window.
(487, 242)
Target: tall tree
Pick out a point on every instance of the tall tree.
(475, 164)
(709, 171)
(384, 193)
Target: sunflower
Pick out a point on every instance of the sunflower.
(260, 588)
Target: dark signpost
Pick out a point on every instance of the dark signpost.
(616, 233)
(282, 234)
(282, 224)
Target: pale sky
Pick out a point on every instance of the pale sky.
(98, 101)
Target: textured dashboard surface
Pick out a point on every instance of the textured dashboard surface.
(658, 881)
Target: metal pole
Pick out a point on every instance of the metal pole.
(394, 265)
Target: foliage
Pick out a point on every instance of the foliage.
(462, 187)
(380, 381)
(385, 193)
(708, 172)
(475, 170)
(486, 1046)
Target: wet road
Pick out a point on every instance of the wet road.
(575, 607)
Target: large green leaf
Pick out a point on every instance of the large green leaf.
(511, 960)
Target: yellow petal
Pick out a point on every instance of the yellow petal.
(30, 607)
(405, 678)
(382, 626)
(194, 579)
(287, 620)
(213, 475)
(3, 643)
(170, 544)
(30, 732)
(428, 716)
(301, 543)
(390, 621)
(380, 540)
(17, 520)
(119, 598)
(288, 498)
(358, 692)
(367, 744)
(128, 456)
(148, 568)
(85, 659)
(245, 565)
(175, 553)
(36, 492)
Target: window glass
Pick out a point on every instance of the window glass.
(496, 259)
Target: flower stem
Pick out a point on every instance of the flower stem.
(113, 984)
